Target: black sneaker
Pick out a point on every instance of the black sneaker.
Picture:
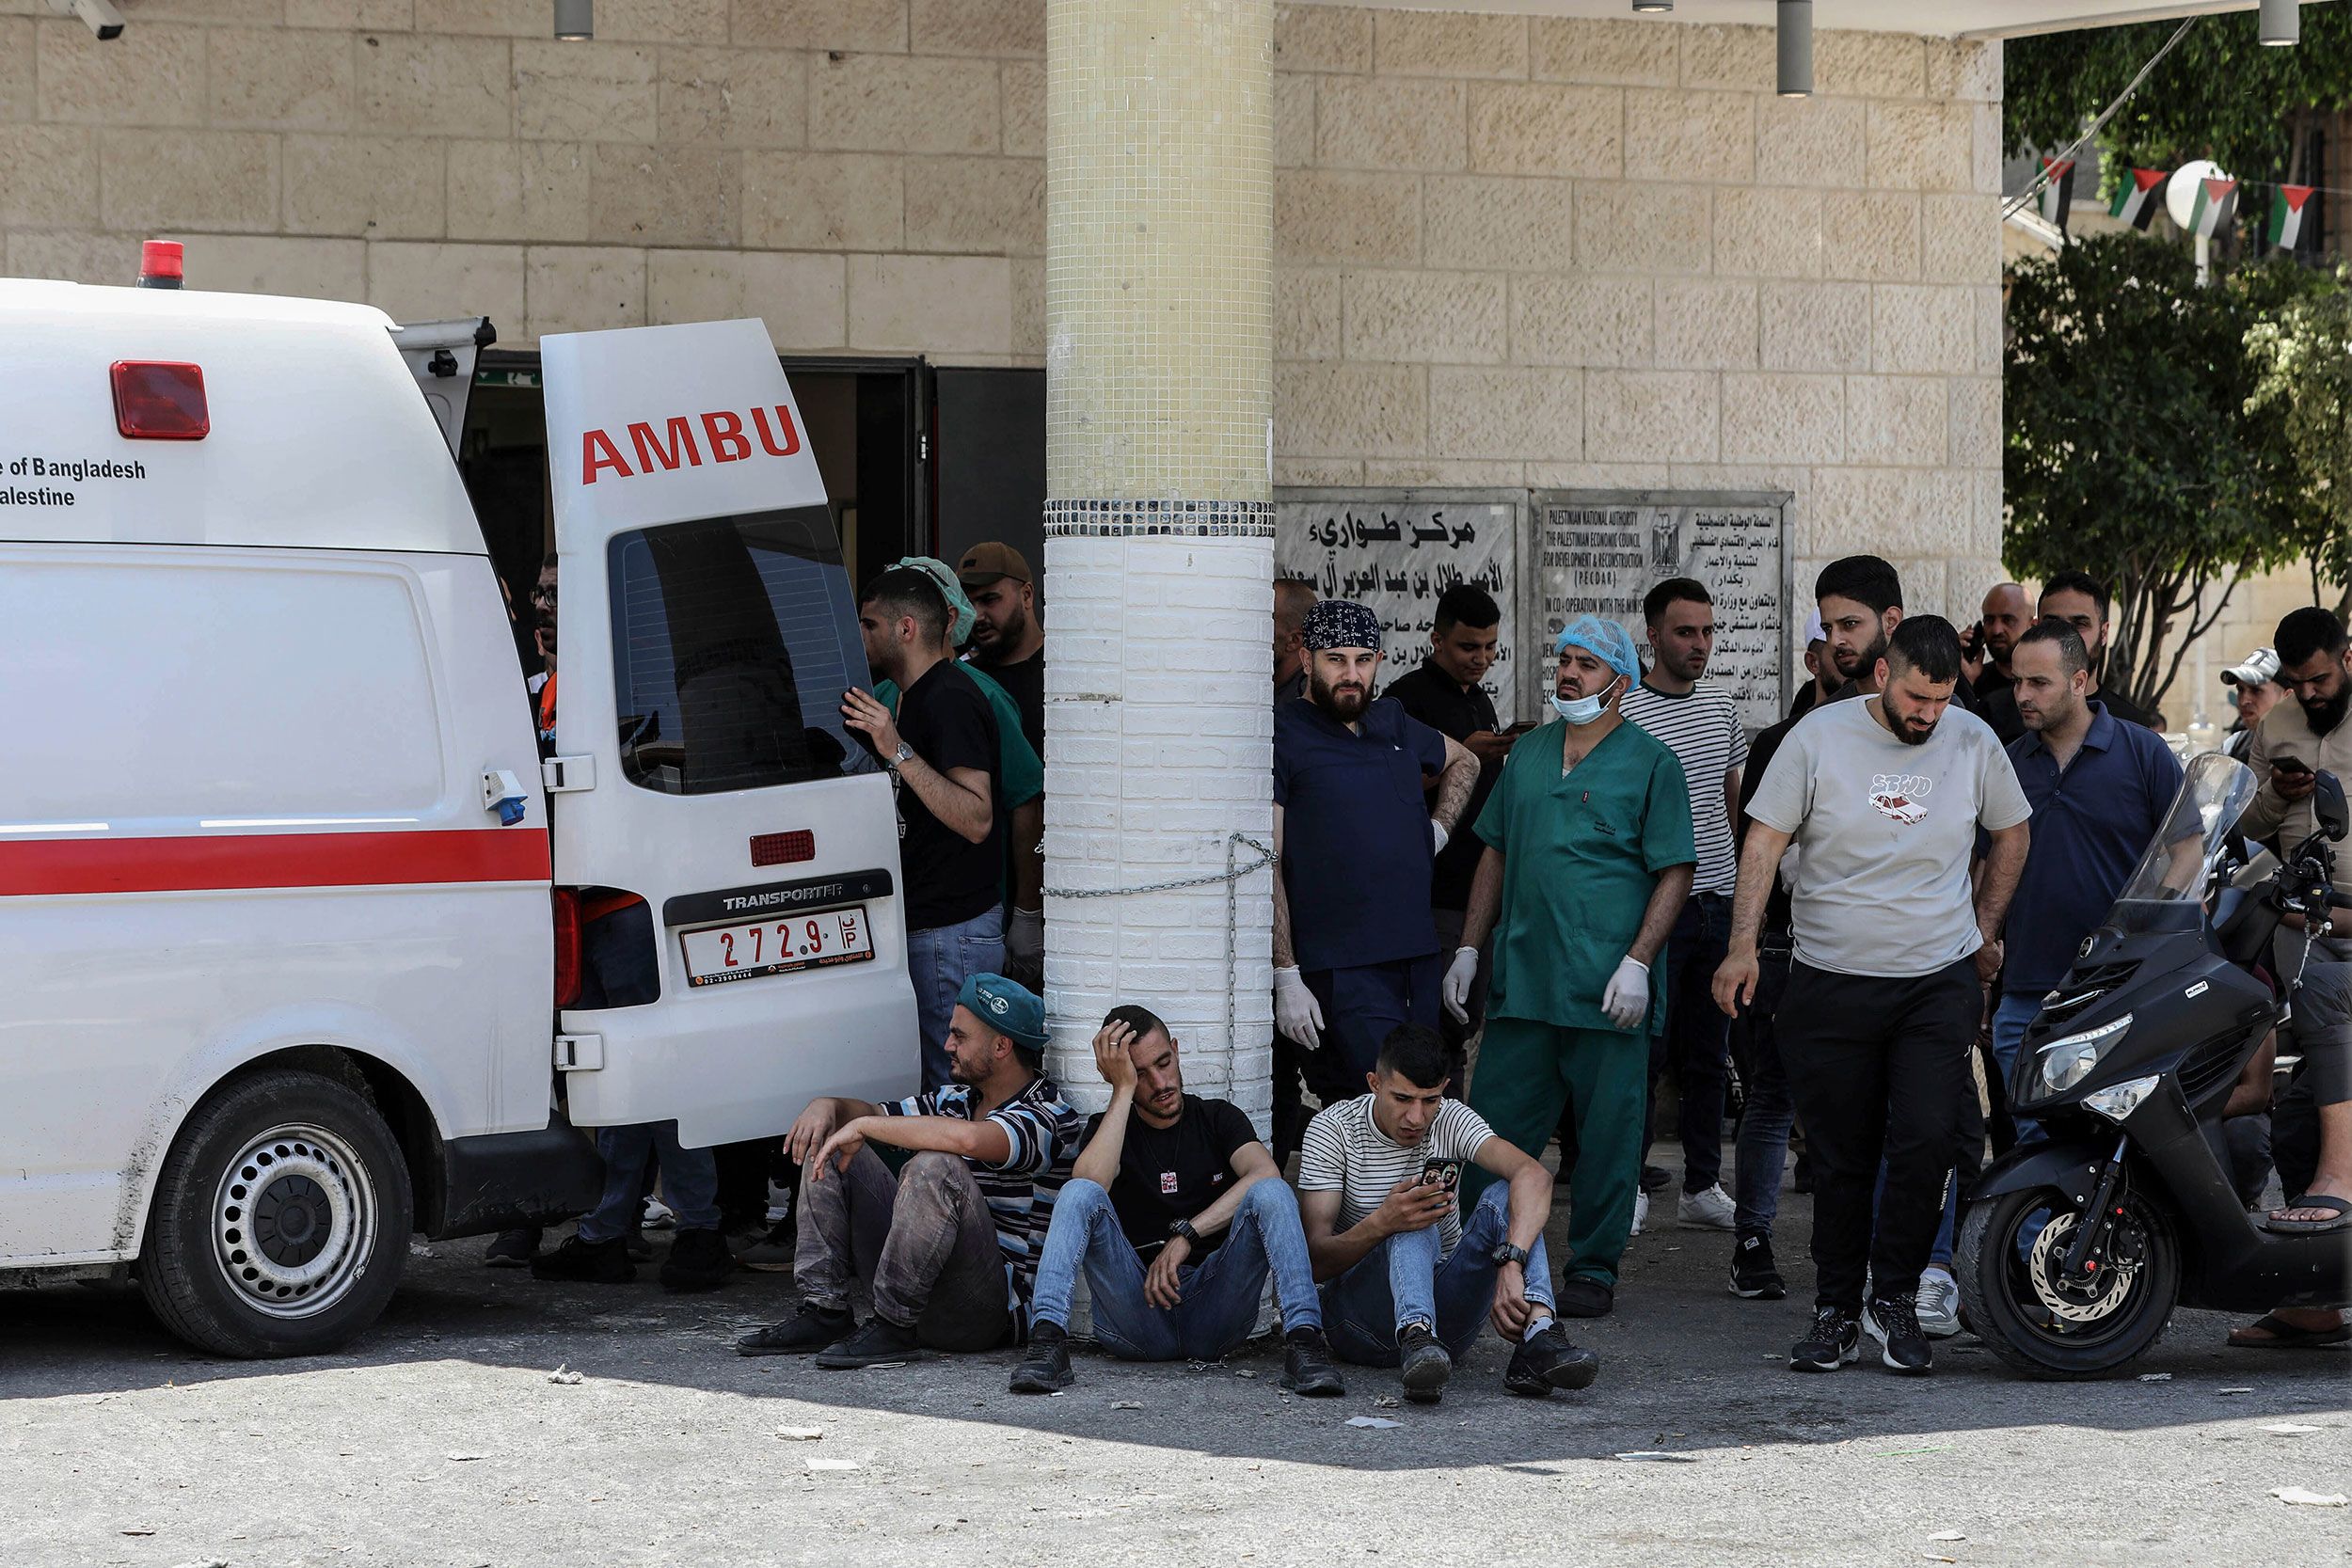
(698, 1260)
(582, 1262)
(513, 1249)
(639, 1249)
(1654, 1177)
(1422, 1364)
(812, 1328)
(1046, 1368)
(1548, 1361)
(879, 1343)
(1894, 1323)
(1835, 1338)
(1753, 1275)
(1307, 1365)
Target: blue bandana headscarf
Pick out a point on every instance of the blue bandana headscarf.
(1606, 640)
(1341, 624)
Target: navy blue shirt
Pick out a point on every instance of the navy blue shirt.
(1355, 841)
(2090, 825)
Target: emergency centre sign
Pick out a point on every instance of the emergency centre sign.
(656, 424)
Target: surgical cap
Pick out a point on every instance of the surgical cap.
(1604, 639)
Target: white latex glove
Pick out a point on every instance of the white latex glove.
(1025, 943)
(1459, 976)
(1295, 1011)
(1437, 831)
(1626, 999)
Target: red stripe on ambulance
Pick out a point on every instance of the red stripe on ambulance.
(220, 862)
(673, 444)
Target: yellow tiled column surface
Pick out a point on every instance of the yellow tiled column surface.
(1159, 530)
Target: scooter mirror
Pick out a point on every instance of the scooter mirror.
(2328, 806)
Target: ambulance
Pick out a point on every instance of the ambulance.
(292, 896)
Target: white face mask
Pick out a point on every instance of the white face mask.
(1581, 711)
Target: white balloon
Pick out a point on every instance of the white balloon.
(2180, 192)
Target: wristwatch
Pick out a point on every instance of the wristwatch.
(1506, 1253)
(1184, 1229)
(903, 755)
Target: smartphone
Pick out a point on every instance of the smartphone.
(1441, 1172)
(1971, 646)
(2289, 764)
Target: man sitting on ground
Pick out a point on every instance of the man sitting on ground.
(949, 1244)
(1177, 1215)
(1404, 1280)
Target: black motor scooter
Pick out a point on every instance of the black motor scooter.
(2073, 1252)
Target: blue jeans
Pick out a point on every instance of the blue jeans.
(1765, 1120)
(690, 1179)
(2009, 1023)
(1220, 1292)
(938, 961)
(1403, 1281)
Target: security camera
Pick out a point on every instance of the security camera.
(99, 16)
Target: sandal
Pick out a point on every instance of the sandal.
(2282, 1335)
(2340, 1207)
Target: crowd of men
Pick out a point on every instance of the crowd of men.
(1487, 939)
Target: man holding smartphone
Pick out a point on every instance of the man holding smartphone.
(2296, 741)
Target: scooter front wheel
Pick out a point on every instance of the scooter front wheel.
(2038, 1320)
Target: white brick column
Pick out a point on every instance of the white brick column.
(1158, 532)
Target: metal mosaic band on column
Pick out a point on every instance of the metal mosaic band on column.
(1141, 519)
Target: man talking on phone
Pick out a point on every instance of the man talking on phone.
(2298, 740)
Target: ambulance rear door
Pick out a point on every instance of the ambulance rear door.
(705, 634)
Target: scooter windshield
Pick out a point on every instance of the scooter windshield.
(2168, 890)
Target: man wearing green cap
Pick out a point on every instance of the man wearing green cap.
(1588, 861)
(949, 1245)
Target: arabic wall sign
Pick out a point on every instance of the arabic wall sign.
(1396, 552)
(1599, 551)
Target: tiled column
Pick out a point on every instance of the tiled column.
(1158, 528)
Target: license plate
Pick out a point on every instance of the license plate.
(718, 953)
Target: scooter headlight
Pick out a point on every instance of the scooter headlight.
(2119, 1100)
(2068, 1060)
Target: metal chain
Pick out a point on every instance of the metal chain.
(1231, 876)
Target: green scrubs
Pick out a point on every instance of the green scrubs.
(1582, 854)
(1022, 773)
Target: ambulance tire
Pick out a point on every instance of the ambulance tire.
(336, 1190)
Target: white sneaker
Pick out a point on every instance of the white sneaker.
(1939, 1304)
(1641, 1211)
(1711, 1210)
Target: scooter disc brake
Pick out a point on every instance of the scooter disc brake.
(2087, 1302)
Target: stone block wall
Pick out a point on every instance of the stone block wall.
(1508, 250)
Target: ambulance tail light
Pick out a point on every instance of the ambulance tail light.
(567, 946)
(160, 400)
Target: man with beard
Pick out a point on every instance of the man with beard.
(1355, 949)
(2002, 617)
(2082, 602)
(1883, 798)
(1699, 721)
(2100, 789)
(1177, 1216)
(1008, 641)
(2298, 740)
(1587, 862)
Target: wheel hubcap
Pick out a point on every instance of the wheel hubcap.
(293, 1220)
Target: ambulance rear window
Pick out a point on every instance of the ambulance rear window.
(733, 639)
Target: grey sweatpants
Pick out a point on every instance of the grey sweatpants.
(924, 1242)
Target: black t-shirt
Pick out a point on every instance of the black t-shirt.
(1999, 710)
(1438, 700)
(1167, 1174)
(1024, 682)
(950, 879)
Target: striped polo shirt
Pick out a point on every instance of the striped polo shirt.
(1021, 1191)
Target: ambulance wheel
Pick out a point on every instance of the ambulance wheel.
(282, 1221)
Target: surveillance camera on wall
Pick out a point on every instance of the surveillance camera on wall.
(99, 16)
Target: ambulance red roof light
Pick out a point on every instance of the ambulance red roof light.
(158, 400)
(160, 265)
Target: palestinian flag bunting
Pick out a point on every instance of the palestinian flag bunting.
(2137, 198)
(2286, 216)
(2216, 204)
(2058, 191)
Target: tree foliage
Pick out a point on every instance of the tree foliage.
(2302, 359)
(2128, 450)
(2219, 95)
